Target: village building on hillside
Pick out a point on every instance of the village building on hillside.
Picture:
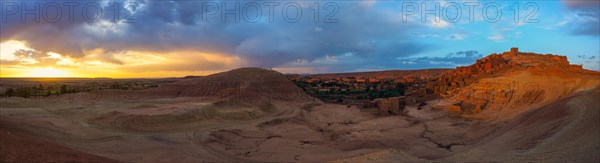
(391, 105)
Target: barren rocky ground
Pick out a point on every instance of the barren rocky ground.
(562, 126)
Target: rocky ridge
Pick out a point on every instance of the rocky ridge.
(510, 80)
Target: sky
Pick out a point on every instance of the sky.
(161, 38)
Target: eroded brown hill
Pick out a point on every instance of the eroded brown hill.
(243, 85)
(511, 80)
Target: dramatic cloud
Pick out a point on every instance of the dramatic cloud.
(33, 57)
(587, 16)
(452, 60)
(466, 54)
(586, 57)
(591, 62)
(204, 36)
(163, 26)
(579, 4)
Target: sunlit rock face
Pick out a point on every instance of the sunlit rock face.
(511, 80)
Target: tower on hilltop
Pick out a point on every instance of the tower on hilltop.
(514, 51)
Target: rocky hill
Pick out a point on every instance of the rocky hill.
(515, 60)
(237, 95)
(511, 80)
(243, 84)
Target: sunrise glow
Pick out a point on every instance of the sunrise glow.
(47, 72)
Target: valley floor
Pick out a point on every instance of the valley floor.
(193, 130)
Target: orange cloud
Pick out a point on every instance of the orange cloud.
(21, 61)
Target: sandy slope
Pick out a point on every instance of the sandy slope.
(563, 131)
(21, 146)
(567, 130)
(504, 97)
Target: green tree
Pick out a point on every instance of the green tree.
(63, 89)
(9, 92)
(22, 92)
(394, 92)
(360, 97)
(386, 93)
(48, 93)
(401, 88)
(373, 94)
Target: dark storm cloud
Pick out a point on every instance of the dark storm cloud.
(588, 14)
(178, 66)
(585, 57)
(579, 4)
(39, 57)
(47, 25)
(466, 54)
(452, 60)
(162, 26)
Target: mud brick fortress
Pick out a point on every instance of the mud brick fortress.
(447, 84)
(486, 67)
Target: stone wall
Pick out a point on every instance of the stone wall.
(392, 104)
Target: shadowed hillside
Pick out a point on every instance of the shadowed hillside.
(243, 85)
